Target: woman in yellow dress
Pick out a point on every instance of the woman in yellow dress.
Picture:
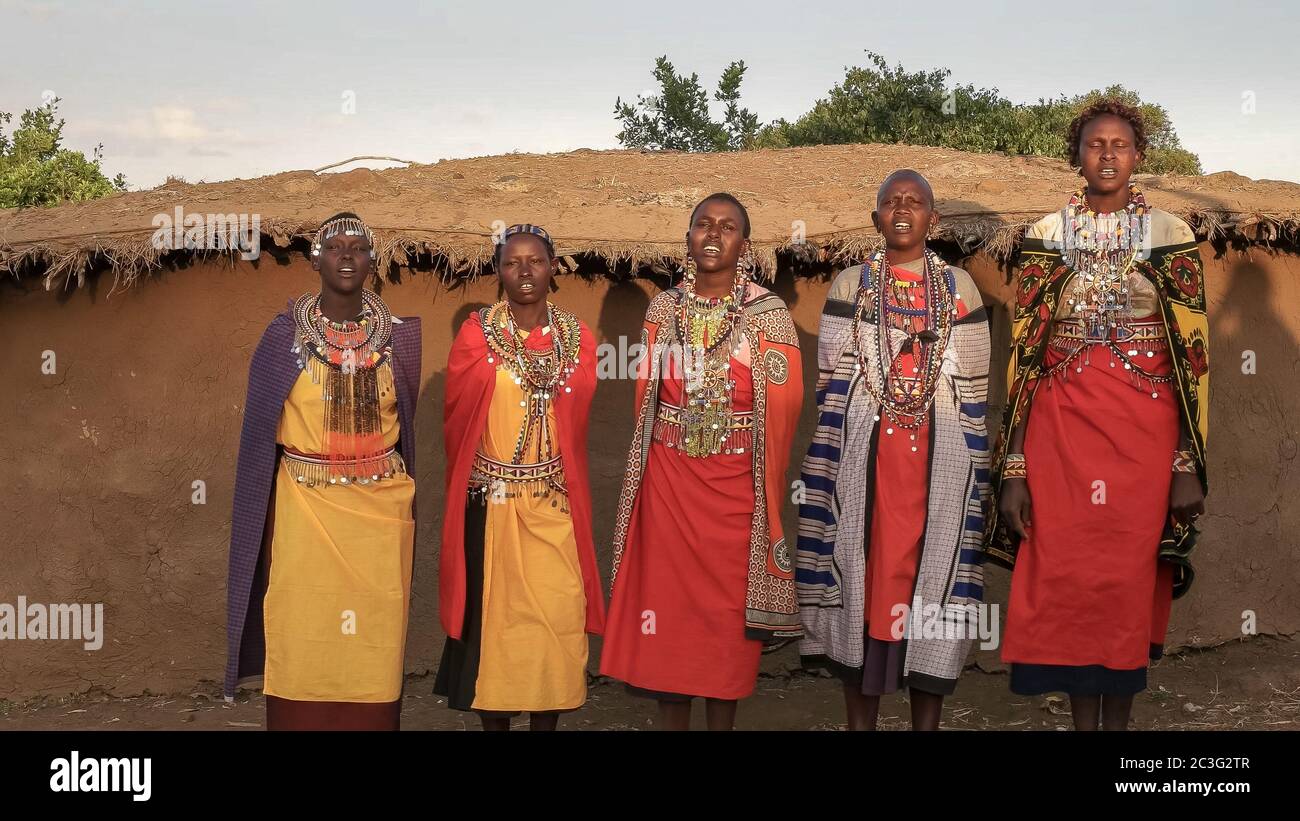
(518, 584)
(323, 526)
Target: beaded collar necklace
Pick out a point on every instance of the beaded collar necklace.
(1101, 249)
(539, 373)
(905, 400)
(710, 333)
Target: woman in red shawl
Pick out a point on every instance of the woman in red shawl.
(703, 576)
(518, 585)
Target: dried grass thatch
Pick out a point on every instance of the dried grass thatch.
(626, 207)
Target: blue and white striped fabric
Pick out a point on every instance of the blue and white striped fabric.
(837, 473)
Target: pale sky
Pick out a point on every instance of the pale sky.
(212, 91)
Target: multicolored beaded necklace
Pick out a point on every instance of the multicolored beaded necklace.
(345, 359)
(539, 373)
(709, 333)
(905, 399)
(1101, 248)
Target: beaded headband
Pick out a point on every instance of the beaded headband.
(347, 226)
(525, 228)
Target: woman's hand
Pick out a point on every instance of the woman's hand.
(1186, 500)
(1014, 505)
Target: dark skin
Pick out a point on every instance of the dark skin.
(716, 242)
(537, 722)
(344, 264)
(525, 267)
(1108, 156)
(904, 215)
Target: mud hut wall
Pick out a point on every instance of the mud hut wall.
(147, 398)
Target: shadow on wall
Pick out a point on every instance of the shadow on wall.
(1252, 448)
(430, 481)
(618, 329)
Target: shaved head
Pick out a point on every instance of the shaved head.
(905, 174)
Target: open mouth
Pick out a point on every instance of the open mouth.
(712, 250)
(526, 287)
(346, 270)
(1107, 173)
(902, 226)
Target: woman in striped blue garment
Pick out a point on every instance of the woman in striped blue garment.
(888, 569)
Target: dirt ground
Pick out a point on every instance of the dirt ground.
(1252, 685)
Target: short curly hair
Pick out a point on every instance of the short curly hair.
(1108, 105)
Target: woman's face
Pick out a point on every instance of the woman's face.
(1108, 154)
(716, 239)
(904, 213)
(344, 262)
(526, 268)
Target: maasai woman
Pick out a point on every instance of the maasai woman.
(1104, 431)
(896, 478)
(702, 574)
(320, 547)
(519, 585)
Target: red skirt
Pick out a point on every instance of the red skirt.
(1088, 589)
(898, 515)
(677, 612)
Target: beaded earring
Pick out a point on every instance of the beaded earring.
(745, 266)
(690, 268)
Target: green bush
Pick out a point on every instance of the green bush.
(35, 171)
(882, 104)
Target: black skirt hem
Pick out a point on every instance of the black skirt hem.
(1082, 680)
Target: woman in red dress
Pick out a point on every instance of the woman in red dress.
(703, 576)
(1100, 469)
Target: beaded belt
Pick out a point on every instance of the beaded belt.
(1129, 348)
(670, 429)
(313, 469)
(1135, 332)
(493, 477)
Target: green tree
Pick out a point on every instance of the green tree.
(678, 117)
(879, 104)
(36, 171)
(882, 104)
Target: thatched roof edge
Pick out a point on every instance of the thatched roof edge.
(131, 254)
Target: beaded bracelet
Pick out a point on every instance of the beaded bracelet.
(1013, 466)
(1184, 462)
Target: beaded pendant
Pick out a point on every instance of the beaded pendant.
(1101, 249)
(345, 359)
(710, 332)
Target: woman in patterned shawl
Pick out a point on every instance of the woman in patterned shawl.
(896, 478)
(1100, 468)
(702, 573)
